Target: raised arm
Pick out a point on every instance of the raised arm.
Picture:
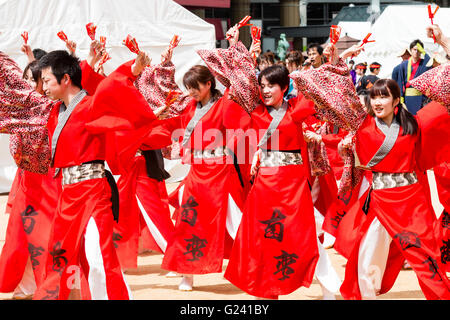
(158, 86)
(24, 114)
(234, 68)
(332, 91)
(441, 39)
(21, 108)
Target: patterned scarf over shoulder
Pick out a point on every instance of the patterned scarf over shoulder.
(333, 93)
(335, 99)
(24, 114)
(234, 68)
(157, 85)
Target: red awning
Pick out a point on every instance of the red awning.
(217, 22)
(205, 3)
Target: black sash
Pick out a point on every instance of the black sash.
(114, 190)
(154, 163)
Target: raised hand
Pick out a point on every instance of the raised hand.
(331, 53)
(71, 46)
(96, 51)
(142, 61)
(233, 35)
(26, 48)
(353, 51)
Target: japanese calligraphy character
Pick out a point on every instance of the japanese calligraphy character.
(285, 260)
(275, 228)
(189, 214)
(193, 247)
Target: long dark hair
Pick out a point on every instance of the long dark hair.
(389, 87)
(33, 66)
(201, 74)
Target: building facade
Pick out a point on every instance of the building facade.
(303, 21)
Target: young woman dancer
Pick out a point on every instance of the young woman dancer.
(276, 249)
(212, 192)
(399, 223)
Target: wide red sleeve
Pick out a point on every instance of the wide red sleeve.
(162, 133)
(333, 139)
(121, 112)
(303, 108)
(89, 78)
(234, 116)
(434, 142)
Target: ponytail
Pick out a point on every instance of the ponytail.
(406, 120)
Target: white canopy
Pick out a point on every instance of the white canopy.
(152, 22)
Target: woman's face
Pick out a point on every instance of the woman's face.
(383, 106)
(272, 93)
(202, 93)
(37, 86)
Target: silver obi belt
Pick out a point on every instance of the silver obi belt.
(280, 158)
(211, 153)
(85, 171)
(383, 180)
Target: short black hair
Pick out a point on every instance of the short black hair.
(39, 53)
(61, 62)
(276, 74)
(316, 45)
(415, 42)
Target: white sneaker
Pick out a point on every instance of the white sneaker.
(328, 240)
(172, 274)
(327, 294)
(186, 283)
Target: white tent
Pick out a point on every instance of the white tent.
(395, 29)
(355, 29)
(152, 22)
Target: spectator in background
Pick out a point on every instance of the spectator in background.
(396, 74)
(351, 67)
(366, 82)
(265, 60)
(294, 61)
(360, 70)
(315, 55)
(410, 69)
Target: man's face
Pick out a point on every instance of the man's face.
(52, 88)
(376, 71)
(415, 53)
(315, 57)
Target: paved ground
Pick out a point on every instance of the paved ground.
(148, 281)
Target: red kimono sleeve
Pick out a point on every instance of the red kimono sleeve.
(163, 133)
(434, 142)
(89, 78)
(333, 139)
(121, 112)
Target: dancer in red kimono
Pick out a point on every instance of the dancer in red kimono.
(276, 249)
(399, 223)
(145, 215)
(22, 262)
(81, 237)
(212, 193)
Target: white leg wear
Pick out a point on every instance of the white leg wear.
(372, 258)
